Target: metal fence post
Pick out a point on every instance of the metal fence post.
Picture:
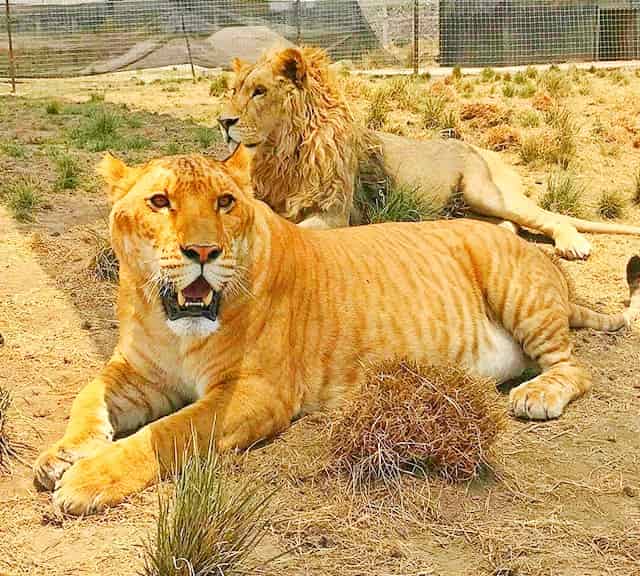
(12, 64)
(416, 35)
(298, 25)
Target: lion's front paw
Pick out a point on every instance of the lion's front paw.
(103, 480)
(54, 462)
(572, 245)
(537, 400)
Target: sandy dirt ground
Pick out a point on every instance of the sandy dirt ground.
(564, 497)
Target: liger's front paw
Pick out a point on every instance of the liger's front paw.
(537, 400)
(572, 245)
(100, 481)
(54, 462)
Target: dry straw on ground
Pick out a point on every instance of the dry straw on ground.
(416, 419)
(6, 448)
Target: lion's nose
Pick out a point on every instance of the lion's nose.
(201, 254)
(227, 121)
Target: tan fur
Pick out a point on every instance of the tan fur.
(301, 312)
(309, 152)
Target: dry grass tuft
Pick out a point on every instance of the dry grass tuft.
(484, 114)
(542, 101)
(6, 449)
(636, 188)
(103, 263)
(502, 137)
(611, 205)
(379, 107)
(416, 420)
(207, 525)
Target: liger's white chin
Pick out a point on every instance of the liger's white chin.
(193, 327)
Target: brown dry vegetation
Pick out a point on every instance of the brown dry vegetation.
(561, 498)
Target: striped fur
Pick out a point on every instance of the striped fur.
(301, 312)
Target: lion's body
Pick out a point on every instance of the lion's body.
(309, 151)
(301, 312)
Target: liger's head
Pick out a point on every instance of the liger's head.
(267, 95)
(178, 227)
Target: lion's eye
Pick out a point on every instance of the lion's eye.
(225, 201)
(159, 201)
(259, 91)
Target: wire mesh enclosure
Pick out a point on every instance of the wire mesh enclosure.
(78, 37)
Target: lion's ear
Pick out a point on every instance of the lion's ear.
(239, 165)
(118, 176)
(237, 64)
(291, 64)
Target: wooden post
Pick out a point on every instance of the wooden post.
(416, 35)
(298, 24)
(12, 63)
(186, 39)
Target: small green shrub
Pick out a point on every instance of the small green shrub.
(219, 85)
(205, 136)
(487, 74)
(526, 90)
(67, 171)
(508, 90)
(98, 130)
(563, 195)
(433, 109)
(208, 526)
(611, 205)
(22, 198)
(531, 72)
(398, 204)
(379, 107)
(53, 107)
(13, 149)
(528, 118)
(556, 83)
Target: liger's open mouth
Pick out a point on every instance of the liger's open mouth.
(198, 300)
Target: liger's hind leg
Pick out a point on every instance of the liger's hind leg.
(545, 338)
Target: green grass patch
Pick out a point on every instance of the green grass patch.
(611, 205)
(379, 107)
(508, 90)
(528, 118)
(205, 136)
(22, 198)
(395, 203)
(13, 149)
(67, 171)
(563, 194)
(53, 107)
(208, 525)
(487, 74)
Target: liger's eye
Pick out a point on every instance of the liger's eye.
(225, 201)
(259, 91)
(159, 201)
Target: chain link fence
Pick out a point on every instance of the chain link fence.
(57, 38)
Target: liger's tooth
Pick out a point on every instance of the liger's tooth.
(208, 298)
(181, 298)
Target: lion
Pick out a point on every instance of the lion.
(233, 322)
(309, 153)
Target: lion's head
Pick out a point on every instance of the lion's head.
(271, 94)
(178, 226)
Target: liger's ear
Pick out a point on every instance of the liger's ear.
(239, 165)
(118, 176)
(237, 64)
(291, 64)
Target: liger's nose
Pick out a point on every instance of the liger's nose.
(227, 121)
(201, 253)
